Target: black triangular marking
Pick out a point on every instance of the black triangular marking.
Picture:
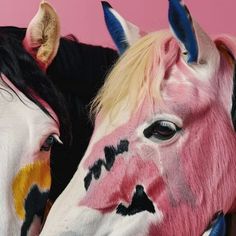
(140, 202)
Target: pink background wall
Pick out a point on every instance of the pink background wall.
(84, 17)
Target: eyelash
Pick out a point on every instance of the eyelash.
(161, 130)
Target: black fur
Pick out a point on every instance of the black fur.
(78, 71)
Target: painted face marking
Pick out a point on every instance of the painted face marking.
(110, 154)
(34, 174)
(140, 202)
(34, 206)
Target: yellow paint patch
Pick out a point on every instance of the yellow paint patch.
(38, 174)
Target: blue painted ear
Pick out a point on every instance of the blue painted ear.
(122, 32)
(219, 226)
(181, 24)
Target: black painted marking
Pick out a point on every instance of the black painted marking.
(34, 205)
(110, 155)
(87, 180)
(97, 168)
(140, 202)
(122, 147)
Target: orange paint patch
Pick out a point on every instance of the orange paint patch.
(38, 174)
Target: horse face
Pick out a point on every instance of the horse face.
(29, 126)
(27, 136)
(158, 162)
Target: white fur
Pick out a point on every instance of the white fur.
(23, 128)
(86, 221)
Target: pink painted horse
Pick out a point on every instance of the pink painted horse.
(161, 160)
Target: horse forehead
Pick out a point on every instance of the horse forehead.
(18, 111)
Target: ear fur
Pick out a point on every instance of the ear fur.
(122, 31)
(43, 35)
(228, 43)
(198, 45)
(181, 24)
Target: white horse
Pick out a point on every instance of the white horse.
(30, 122)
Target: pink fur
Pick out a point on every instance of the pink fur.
(197, 170)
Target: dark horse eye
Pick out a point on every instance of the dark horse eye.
(161, 130)
(48, 143)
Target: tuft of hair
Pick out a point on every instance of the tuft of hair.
(137, 74)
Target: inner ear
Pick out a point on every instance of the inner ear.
(43, 35)
(182, 26)
(123, 32)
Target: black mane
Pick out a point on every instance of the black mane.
(78, 71)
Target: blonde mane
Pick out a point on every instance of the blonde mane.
(132, 76)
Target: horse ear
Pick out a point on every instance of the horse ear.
(218, 226)
(194, 41)
(122, 31)
(43, 35)
(227, 43)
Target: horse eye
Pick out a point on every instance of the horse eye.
(161, 130)
(49, 143)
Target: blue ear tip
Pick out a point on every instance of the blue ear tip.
(176, 4)
(105, 4)
(175, 1)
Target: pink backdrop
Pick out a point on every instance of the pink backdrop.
(84, 18)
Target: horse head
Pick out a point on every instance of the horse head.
(161, 160)
(31, 122)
